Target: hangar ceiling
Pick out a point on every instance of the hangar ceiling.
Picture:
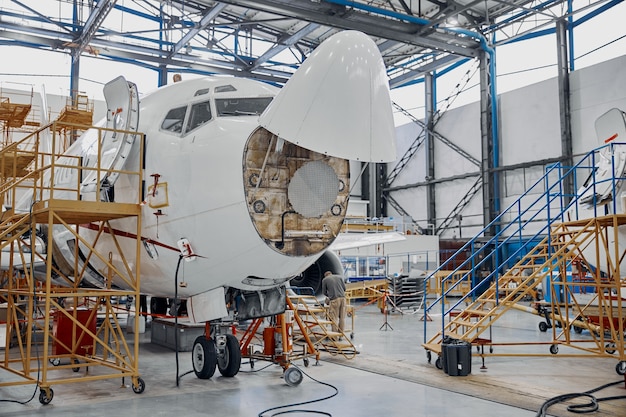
(268, 39)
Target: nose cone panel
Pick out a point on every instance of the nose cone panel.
(337, 103)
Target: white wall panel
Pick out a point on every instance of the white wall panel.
(595, 90)
(458, 126)
(529, 123)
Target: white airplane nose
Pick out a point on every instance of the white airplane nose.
(337, 103)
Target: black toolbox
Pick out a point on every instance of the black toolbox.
(456, 357)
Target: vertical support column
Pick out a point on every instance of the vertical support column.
(564, 104)
(74, 75)
(489, 154)
(430, 108)
(162, 75)
(374, 179)
(75, 65)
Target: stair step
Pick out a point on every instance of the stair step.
(461, 322)
(475, 313)
(433, 347)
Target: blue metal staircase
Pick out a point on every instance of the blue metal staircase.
(549, 228)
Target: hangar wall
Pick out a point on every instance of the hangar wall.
(529, 131)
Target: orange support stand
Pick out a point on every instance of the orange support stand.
(278, 340)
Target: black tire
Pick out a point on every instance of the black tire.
(438, 363)
(159, 305)
(610, 348)
(543, 326)
(76, 368)
(229, 357)
(578, 330)
(620, 368)
(139, 387)
(45, 396)
(429, 356)
(554, 349)
(203, 357)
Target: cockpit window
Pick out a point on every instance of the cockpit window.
(202, 92)
(224, 88)
(200, 114)
(174, 120)
(241, 106)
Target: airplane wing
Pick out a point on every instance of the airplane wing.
(358, 240)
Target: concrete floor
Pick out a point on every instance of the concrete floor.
(389, 377)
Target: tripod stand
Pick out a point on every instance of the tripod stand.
(385, 300)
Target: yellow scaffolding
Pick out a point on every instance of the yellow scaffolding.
(603, 314)
(92, 340)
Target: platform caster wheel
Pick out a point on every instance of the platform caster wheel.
(351, 336)
(251, 363)
(554, 349)
(46, 395)
(139, 386)
(438, 363)
(429, 356)
(620, 368)
(578, 330)
(204, 357)
(55, 362)
(293, 376)
(543, 326)
(306, 362)
(610, 348)
(76, 368)
(228, 355)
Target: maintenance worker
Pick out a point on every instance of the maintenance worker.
(334, 289)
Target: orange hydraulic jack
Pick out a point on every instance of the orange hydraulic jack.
(278, 343)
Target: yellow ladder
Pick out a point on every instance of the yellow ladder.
(318, 327)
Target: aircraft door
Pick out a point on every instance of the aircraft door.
(122, 116)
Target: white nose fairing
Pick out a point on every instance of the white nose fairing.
(337, 103)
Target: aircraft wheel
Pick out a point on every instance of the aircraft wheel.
(610, 348)
(293, 376)
(203, 357)
(45, 395)
(620, 368)
(139, 386)
(228, 355)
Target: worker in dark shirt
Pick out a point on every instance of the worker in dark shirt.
(334, 288)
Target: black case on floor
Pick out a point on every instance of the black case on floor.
(456, 357)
